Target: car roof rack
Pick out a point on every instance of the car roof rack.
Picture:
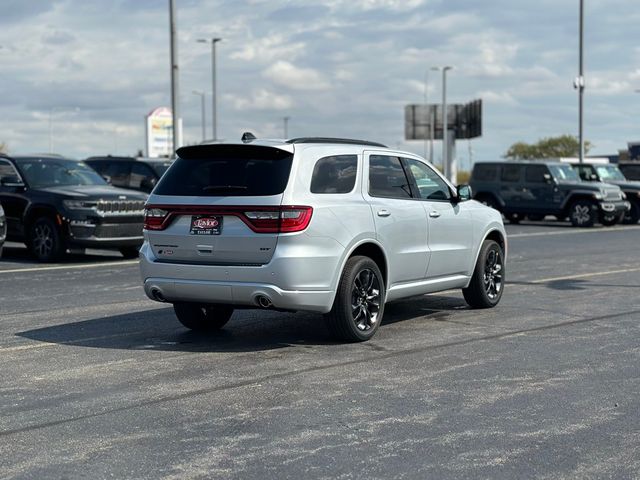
(348, 141)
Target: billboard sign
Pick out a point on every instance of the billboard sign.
(424, 122)
(159, 133)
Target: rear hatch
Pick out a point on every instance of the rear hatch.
(221, 205)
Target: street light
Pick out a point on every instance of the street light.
(429, 138)
(175, 100)
(201, 94)
(579, 84)
(214, 112)
(445, 121)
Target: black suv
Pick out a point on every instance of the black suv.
(3, 229)
(128, 172)
(54, 203)
(606, 172)
(535, 189)
(631, 170)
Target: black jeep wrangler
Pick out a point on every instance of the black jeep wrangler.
(606, 172)
(54, 203)
(538, 188)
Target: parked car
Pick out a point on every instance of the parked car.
(631, 170)
(129, 172)
(3, 229)
(334, 226)
(536, 188)
(610, 173)
(54, 203)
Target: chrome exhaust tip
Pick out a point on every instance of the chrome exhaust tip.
(157, 295)
(264, 302)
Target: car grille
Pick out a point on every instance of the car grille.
(120, 207)
(118, 230)
(613, 194)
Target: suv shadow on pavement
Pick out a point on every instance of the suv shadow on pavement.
(156, 329)
(14, 252)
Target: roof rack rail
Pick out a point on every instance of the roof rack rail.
(349, 141)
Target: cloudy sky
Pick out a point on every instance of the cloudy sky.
(336, 67)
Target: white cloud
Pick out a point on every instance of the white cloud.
(268, 49)
(260, 99)
(288, 75)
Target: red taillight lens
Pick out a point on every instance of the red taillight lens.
(154, 218)
(285, 219)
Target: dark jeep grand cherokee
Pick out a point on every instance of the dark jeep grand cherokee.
(54, 203)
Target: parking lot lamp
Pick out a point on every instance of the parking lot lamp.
(214, 112)
(445, 159)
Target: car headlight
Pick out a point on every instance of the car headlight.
(78, 204)
(598, 195)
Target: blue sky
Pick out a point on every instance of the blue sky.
(336, 67)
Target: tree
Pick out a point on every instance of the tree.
(550, 147)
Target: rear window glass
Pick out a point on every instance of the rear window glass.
(227, 171)
(485, 173)
(336, 174)
(511, 173)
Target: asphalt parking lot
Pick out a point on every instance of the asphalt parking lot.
(99, 382)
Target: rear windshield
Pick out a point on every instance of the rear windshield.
(229, 171)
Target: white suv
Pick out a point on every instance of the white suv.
(334, 226)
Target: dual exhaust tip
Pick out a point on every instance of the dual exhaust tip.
(262, 300)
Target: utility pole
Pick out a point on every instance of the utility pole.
(175, 106)
(214, 95)
(286, 127)
(445, 124)
(580, 85)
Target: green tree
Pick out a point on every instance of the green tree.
(550, 147)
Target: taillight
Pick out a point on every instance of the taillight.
(285, 219)
(154, 218)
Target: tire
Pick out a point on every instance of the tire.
(130, 252)
(514, 218)
(633, 215)
(535, 217)
(487, 283)
(359, 304)
(45, 240)
(202, 317)
(610, 219)
(583, 213)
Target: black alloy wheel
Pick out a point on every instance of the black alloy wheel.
(359, 304)
(45, 240)
(633, 215)
(487, 283)
(583, 213)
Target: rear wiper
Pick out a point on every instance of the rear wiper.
(224, 187)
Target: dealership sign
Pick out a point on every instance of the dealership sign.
(159, 132)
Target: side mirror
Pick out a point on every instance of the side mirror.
(548, 178)
(107, 179)
(464, 193)
(147, 184)
(594, 177)
(11, 182)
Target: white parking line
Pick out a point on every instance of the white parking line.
(585, 275)
(572, 232)
(71, 267)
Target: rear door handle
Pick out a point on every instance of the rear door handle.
(384, 213)
(434, 214)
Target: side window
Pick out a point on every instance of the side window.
(142, 177)
(8, 171)
(98, 166)
(485, 173)
(118, 173)
(336, 174)
(535, 173)
(387, 177)
(586, 173)
(511, 173)
(430, 185)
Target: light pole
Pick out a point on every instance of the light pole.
(175, 101)
(580, 84)
(445, 121)
(429, 137)
(201, 94)
(214, 110)
(286, 127)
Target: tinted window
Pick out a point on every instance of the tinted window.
(586, 173)
(511, 173)
(564, 172)
(631, 172)
(242, 170)
(536, 173)
(387, 177)
(430, 185)
(118, 173)
(52, 172)
(335, 174)
(7, 170)
(485, 173)
(160, 167)
(142, 177)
